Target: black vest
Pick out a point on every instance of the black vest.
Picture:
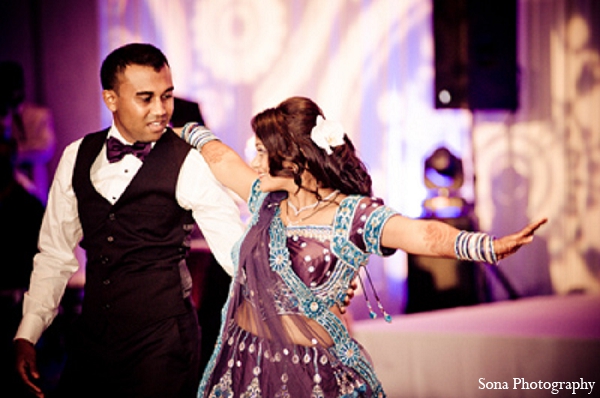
(135, 247)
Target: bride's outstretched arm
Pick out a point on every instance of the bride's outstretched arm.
(438, 239)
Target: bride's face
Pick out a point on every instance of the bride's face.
(269, 183)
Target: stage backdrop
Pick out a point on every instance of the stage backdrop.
(370, 65)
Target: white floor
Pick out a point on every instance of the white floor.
(490, 350)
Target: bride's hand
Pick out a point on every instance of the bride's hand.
(509, 244)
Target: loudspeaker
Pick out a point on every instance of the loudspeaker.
(475, 44)
(437, 283)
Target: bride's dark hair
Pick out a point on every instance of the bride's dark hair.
(285, 132)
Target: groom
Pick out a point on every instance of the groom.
(129, 195)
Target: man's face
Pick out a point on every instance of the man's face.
(142, 103)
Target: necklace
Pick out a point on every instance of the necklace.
(311, 206)
(329, 199)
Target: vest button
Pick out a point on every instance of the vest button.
(111, 217)
(104, 260)
(106, 281)
(107, 306)
(110, 239)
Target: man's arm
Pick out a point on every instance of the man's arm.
(213, 208)
(53, 266)
(56, 262)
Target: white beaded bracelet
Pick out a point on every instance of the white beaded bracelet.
(197, 135)
(475, 246)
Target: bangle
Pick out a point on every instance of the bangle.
(475, 246)
(197, 135)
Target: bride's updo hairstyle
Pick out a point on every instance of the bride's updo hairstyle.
(285, 132)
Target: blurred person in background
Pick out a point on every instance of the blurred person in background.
(30, 125)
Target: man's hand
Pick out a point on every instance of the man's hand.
(349, 296)
(26, 365)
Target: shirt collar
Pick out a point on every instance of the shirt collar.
(114, 132)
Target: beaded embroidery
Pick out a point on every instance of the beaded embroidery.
(321, 233)
(314, 302)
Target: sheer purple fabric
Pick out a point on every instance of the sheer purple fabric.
(268, 348)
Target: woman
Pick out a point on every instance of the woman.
(314, 223)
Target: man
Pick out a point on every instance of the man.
(137, 335)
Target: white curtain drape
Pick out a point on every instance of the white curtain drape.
(545, 159)
(369, 64)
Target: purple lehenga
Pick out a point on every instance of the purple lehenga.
(279, 337)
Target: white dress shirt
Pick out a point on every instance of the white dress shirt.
(197, 190)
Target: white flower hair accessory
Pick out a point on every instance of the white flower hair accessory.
(327, 134)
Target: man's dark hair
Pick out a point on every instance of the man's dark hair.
(129, 54)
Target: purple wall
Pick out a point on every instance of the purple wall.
(57, 44)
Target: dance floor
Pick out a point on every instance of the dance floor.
(520, 348)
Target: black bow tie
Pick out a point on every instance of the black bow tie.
(115, 149)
